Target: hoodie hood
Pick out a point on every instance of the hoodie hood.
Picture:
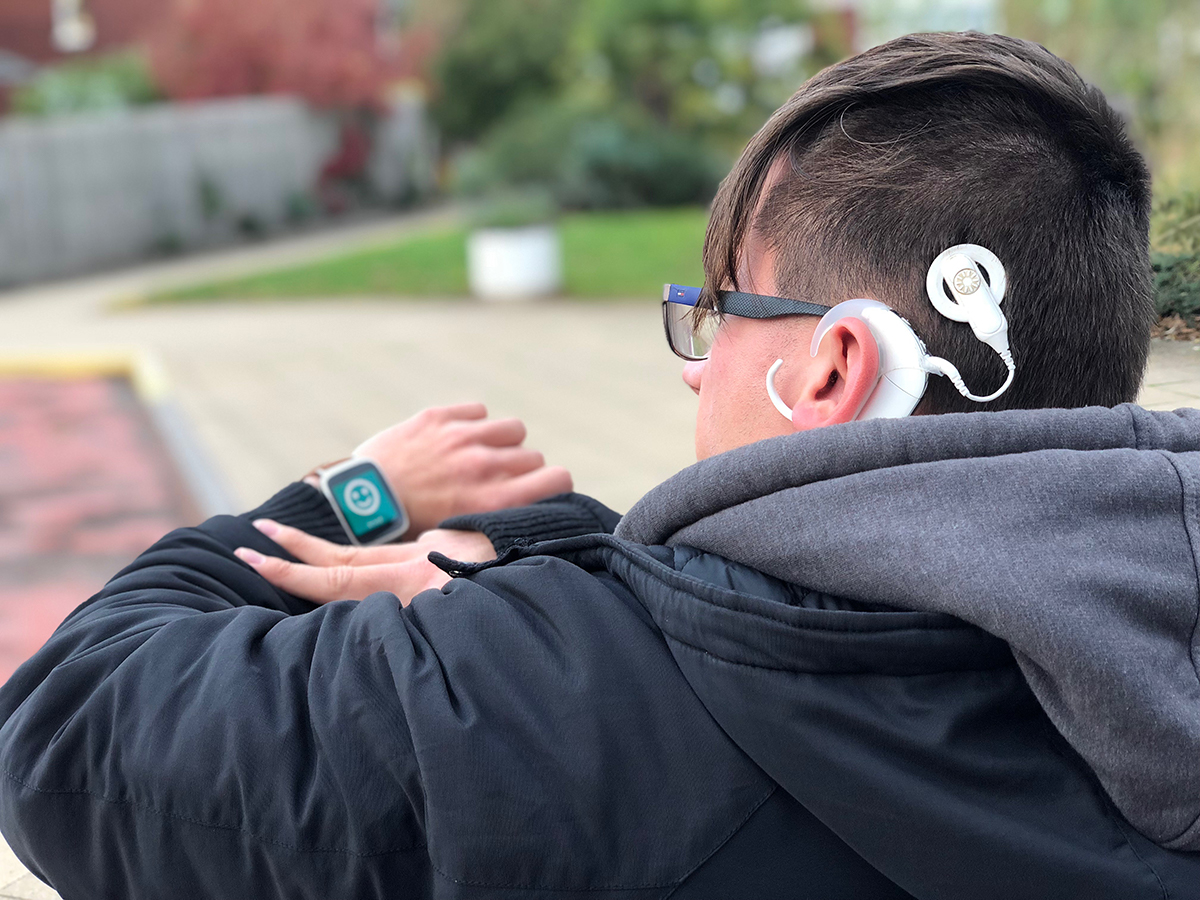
(1071, 535)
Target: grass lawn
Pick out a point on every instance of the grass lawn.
(605, 255)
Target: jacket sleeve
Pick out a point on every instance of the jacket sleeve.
(191, 731)
(302, 506)
(561, 516)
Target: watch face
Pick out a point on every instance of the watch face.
(365, 501)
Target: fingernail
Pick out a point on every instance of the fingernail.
(266, 526)
(250, 556)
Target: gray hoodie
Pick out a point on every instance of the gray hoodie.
(1073, 535)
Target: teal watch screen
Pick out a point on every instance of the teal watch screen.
(365, 501)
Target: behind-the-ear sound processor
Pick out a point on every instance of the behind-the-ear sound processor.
(965, 283)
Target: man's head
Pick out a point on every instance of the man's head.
(877, 165)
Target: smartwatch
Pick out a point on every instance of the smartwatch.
(369, 511)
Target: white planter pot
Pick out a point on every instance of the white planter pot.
(514, 263)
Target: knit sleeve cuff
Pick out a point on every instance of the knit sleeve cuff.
(302, 506)
(562, 516)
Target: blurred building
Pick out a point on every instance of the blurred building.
(289, 110)
(34, 33)
(37, 33)
(46, 31)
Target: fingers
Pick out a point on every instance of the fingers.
(304, 546)
(499, 432)
(531, 487)
(320, 584)
(510, 462)
(460, 411)
(323, 584)
(319, 552)
(446, 461)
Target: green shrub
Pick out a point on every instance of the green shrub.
(1175, 256)
(527, 148)
(689, 64)
(617, 103)
(1175, 226)
(1177, 285)
(591, 160)
(113, 81)
(515, 209)
(611, 163)
(500, 55)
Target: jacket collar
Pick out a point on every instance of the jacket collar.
(1070, 534)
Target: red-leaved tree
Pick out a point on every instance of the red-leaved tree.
(326, 51)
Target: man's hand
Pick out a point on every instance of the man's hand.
(331, 571)
(453, 460)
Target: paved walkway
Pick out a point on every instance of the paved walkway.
(87, 484)
(271, 388)
(1173, 378)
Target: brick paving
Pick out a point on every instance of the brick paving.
(271, 388)
(87, 486)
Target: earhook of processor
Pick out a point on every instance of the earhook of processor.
(966, 283)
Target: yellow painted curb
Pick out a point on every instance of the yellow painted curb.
(144, 372)
(143, 369)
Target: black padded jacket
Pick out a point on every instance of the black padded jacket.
(584, 717)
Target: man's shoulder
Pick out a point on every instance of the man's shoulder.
(567, 712)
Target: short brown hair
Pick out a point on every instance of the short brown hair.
(933, 140)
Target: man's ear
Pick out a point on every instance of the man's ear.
(840, 378)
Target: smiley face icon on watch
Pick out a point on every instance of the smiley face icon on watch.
(361, 497)
(362, 500)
